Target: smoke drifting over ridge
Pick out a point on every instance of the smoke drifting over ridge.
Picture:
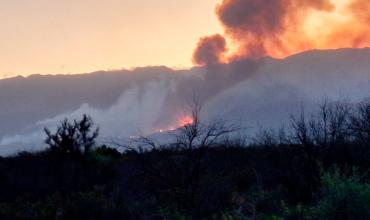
(248, 93)
(280, 28)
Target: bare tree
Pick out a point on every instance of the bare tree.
(271, 137)
(196, 138)
(301, 130)
(330, 125)
(201, 134)
(360, 123)
(302, 134)
(326, 127)
(179, 166)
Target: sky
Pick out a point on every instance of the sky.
(78, 36)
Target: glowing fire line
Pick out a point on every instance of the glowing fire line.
(182, 122)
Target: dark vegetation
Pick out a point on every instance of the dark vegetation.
(316, 169)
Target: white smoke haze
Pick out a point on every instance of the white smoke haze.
(136, 112)
(251, 94)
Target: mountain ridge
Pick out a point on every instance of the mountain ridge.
(241, 88)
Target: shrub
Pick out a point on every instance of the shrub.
(343, 197)
(73, 138)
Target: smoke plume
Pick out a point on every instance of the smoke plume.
(210, 50)
(280, 28)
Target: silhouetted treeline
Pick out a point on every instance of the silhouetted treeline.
(317, 168)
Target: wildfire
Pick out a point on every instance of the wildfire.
(181, 122)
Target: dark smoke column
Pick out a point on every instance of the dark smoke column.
(259, 28)
(210, 50)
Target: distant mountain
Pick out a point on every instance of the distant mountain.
(142, 101)
(280, 88)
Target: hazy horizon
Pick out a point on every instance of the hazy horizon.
(69, 37)
(79, 36)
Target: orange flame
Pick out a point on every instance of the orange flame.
(187, 120)
(181, 122)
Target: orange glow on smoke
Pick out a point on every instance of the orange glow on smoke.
(346, 25)
(280, 28)
(185, 121)
(338, 28)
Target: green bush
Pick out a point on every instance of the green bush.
(341, 197)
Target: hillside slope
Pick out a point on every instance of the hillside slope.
(142, 101)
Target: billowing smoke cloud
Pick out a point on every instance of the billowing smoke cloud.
(261, 24)
(210, 50)
(356, 32)
(280, 28)
(361, 9)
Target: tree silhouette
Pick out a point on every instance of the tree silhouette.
(73, 138)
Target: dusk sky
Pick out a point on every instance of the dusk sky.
(71, 36)
(79, 36)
